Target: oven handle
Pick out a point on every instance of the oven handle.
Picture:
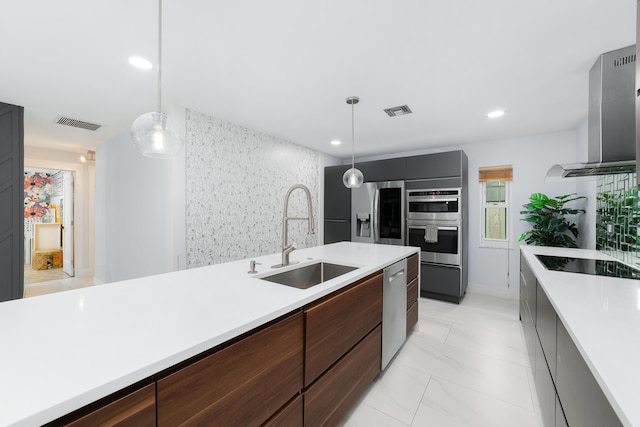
(432, 199)
(423, 227)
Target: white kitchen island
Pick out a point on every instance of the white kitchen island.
(602, 316)
(63, 351)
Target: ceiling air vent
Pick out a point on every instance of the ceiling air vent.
(398, 111)
(68, 121)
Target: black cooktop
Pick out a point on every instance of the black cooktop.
(589, 266)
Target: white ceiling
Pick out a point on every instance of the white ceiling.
(285, 67)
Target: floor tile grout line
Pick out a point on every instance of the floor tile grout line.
(385, 413)
(421, 399)
(532, 409)
(501, 359)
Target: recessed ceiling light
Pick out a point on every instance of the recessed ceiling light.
(335, 142)
(494, 114)
(141, 63)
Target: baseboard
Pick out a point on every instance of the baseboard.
(500, 292)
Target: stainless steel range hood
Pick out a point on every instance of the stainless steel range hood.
(611, 141)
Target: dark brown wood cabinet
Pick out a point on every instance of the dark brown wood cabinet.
(133, 409)
(290, 415)
(412, 317)
(337, 322)
(242, 384)
(412, 293)
(330, 398)
(413, 264)
(413, 290)
(306, 368)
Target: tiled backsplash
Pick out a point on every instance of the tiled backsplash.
(237, 179)
(617, 217)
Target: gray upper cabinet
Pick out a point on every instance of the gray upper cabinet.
(383, 170)
(436, 165)
(337, 197)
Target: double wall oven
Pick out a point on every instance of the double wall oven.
(434, 223)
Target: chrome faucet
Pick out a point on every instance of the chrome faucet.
(287, 249)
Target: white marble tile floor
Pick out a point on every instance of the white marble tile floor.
(463, 365)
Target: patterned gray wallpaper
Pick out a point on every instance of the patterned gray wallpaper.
(617, 207)
(236, 181)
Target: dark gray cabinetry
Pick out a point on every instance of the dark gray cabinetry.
(11, 202)
(337, 206)
(383, 170)
(527, 301)
(567, 390)
(581, 397)
(560, 419)
(544, 387)
(337, 197)
(546, 326)
(439, 281)
(337, 231)
(436, 165)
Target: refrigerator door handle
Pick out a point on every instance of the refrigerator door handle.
(376, 213)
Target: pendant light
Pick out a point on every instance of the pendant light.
(152, 132)
(353, 178)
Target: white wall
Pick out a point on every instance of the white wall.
(133, 212)
(530, 157)
(84, 200)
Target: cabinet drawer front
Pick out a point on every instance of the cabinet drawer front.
(412, 317)
(328, 400)
(289, 416)
(243, 384)
(137, 409)
(412, 292)
(582, 399)
(337, 323)
(546, 327)
(413, 264)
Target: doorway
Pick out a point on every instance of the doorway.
(48, 225)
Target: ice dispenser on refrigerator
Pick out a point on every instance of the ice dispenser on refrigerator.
(378, 213)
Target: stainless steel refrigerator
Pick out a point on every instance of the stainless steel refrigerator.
(377, 213)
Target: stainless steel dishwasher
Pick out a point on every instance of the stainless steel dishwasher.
(394, 310)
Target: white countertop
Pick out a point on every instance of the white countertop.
(602, 315)
(62, 351)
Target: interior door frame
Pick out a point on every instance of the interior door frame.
(68, 256)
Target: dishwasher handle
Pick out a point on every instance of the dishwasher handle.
(396, 275)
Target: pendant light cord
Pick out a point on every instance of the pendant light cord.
(159, 56)
(353, 137)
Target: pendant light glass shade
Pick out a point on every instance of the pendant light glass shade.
(154, 137)
(353, 178)
(152, 132)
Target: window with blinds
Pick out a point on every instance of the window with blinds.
(495, 183)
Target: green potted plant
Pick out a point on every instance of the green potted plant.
(548, 218)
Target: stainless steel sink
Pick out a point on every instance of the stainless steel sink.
(309, 275)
